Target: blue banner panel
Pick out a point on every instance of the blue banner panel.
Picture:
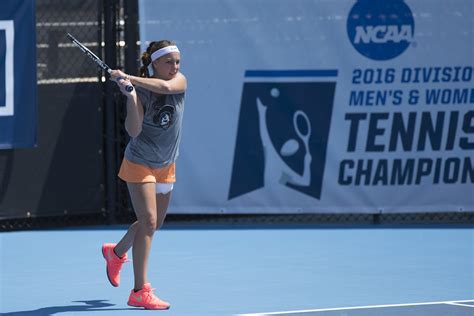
(18, 104)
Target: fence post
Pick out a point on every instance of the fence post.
(110, 52)
(131, 29)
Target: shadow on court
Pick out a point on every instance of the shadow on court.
(95, 305)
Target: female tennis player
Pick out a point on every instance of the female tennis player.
(153, 121)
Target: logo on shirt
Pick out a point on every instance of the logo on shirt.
(163, 116)
(283, 131)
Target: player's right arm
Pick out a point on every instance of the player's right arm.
(134, 118)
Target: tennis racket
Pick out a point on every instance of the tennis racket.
(96, 59)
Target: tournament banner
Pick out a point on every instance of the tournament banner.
(18, 104)
(343, 106)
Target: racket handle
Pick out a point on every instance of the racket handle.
(129, 87)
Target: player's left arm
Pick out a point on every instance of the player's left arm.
(176, 85)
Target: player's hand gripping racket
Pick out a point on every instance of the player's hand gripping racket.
(96, 59)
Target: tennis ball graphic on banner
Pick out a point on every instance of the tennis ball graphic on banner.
(380, 30)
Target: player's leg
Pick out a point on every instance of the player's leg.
(148, 221)
(144, 203)
(127, 240)
(163, 198)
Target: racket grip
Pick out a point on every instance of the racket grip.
(129, 87)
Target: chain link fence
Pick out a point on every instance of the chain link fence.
(58, 60)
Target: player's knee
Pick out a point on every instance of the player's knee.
(149, 224)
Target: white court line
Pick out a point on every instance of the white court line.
(457, 304)
(454, 302)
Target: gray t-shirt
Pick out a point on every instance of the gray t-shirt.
(157, 146)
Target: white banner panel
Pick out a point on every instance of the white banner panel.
(322, 106)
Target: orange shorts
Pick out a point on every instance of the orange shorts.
(136, 173)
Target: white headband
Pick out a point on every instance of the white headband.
(163, 51)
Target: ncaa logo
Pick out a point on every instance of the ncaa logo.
(6, 67)
(380, 30)
(283, 131)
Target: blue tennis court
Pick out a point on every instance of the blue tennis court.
(255, 271)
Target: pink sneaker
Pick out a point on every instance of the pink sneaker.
(147, 299)
(114, 263)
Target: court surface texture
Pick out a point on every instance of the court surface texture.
(320, 271)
